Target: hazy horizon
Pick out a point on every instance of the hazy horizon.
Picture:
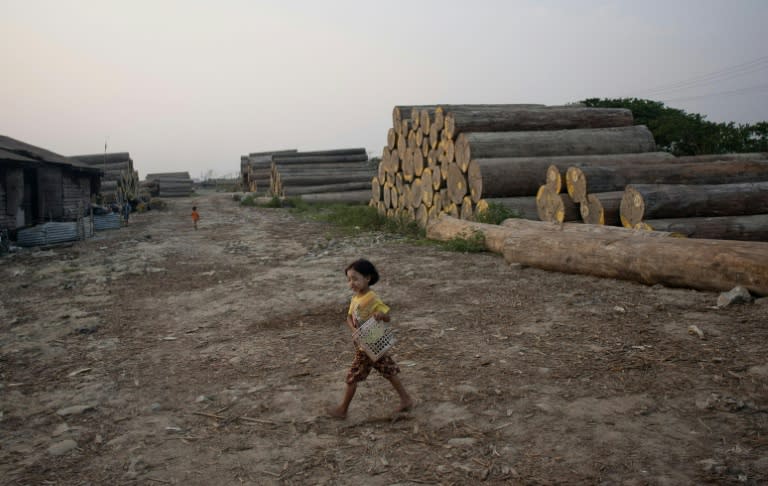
(192, 86)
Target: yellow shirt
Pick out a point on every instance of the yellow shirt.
(362, 307)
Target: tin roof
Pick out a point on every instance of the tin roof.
(13, 150)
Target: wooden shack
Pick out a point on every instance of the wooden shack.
(37, 185)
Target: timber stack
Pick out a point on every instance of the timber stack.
(455, 159)
(120, 181)
(169, 184)
(255, 169)
(721, 196)
(338, 174)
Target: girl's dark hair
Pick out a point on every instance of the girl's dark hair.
(364, 268)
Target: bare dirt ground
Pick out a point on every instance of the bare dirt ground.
(157, 354)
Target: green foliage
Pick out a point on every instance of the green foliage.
(684, 133)
(355, 218)
(275, 202)
(496, 213)
(248, 200)
(473, 243)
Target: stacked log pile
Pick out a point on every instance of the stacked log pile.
(255, 169)
(120, 181)
(714, 196)
(341, 175)
(169, 184)
(454, 159)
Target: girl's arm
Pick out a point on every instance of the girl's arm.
(351, 322)
(381, 316)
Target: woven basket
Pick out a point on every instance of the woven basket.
(375, 338)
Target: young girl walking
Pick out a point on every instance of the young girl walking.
(361, 274)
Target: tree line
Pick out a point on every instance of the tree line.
(682, 133)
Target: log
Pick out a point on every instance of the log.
(586, 141)
(391, 138)
(340, 187)
(554, 207)
(522, 176)
(324, 153)
(581, 180)
(467, 209)
(640, 256)
(342, 197)
(403, 113)
(730, 156)
(456, 184)
(753, 227)
(554, 179)
(416, 194)
(515, 118)
(446, 228)
(376, 190)
(602, 208)
(314, 180)
(323, 168)
(715, 265)
(301, 158)
(273, 152)
(427, 188)
(660, 201)
(477, 111)
(168, 175)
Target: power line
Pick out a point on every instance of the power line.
(720, 75)
(740, 91)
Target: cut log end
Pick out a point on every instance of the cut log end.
(553, 179)
(576, 184)
(631, 208)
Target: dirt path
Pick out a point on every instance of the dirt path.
(157, 354)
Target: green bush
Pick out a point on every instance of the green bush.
(248, 200)
(474, 243)
(496, 213)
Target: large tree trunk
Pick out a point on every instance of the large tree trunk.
(680, 262)
(583, 180)
(512, 118)
(586, 141)
(449, 123)
(446, 228)
(658, 201)
(602, 208)
(522, 176)
(752, 227)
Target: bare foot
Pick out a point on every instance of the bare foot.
(404, 406)
(336, 412)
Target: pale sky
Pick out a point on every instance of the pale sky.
(193, 85)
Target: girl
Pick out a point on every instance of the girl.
(361, 274)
